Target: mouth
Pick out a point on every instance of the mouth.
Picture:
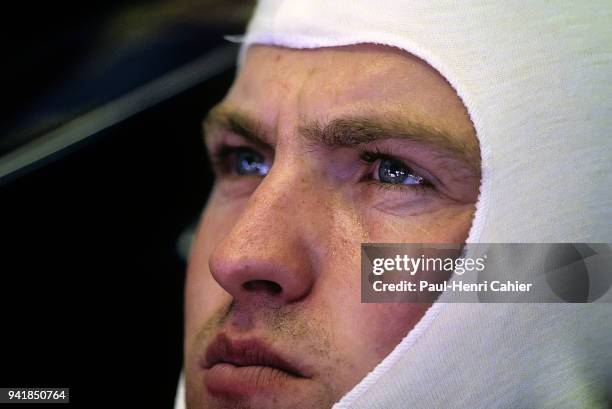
(246, 367)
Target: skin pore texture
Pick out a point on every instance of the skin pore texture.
(310, 150)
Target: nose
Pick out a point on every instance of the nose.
(266, 254)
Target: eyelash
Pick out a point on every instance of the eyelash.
(370, 157)
(220, 158)
(221, 162)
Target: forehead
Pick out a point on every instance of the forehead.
(327, 83)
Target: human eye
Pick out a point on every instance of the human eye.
(391, 172)
(240, 161)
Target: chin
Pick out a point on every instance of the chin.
(266, 391)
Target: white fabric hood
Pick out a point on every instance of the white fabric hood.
(536, 78)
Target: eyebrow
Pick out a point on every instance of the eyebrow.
(349, 132)
(237, 123)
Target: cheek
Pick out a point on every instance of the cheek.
(450, 224)
(203, 295)
(366, 333)
(363, 334)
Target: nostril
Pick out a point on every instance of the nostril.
(262, 285)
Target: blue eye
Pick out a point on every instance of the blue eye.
(248, 162)
(396, 172)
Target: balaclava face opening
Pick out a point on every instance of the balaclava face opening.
(535, 77)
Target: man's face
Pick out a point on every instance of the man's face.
(315, 152)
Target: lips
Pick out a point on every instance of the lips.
(246, 367)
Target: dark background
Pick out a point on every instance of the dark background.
(91, 274)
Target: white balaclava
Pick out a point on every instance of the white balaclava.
(536, 78)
